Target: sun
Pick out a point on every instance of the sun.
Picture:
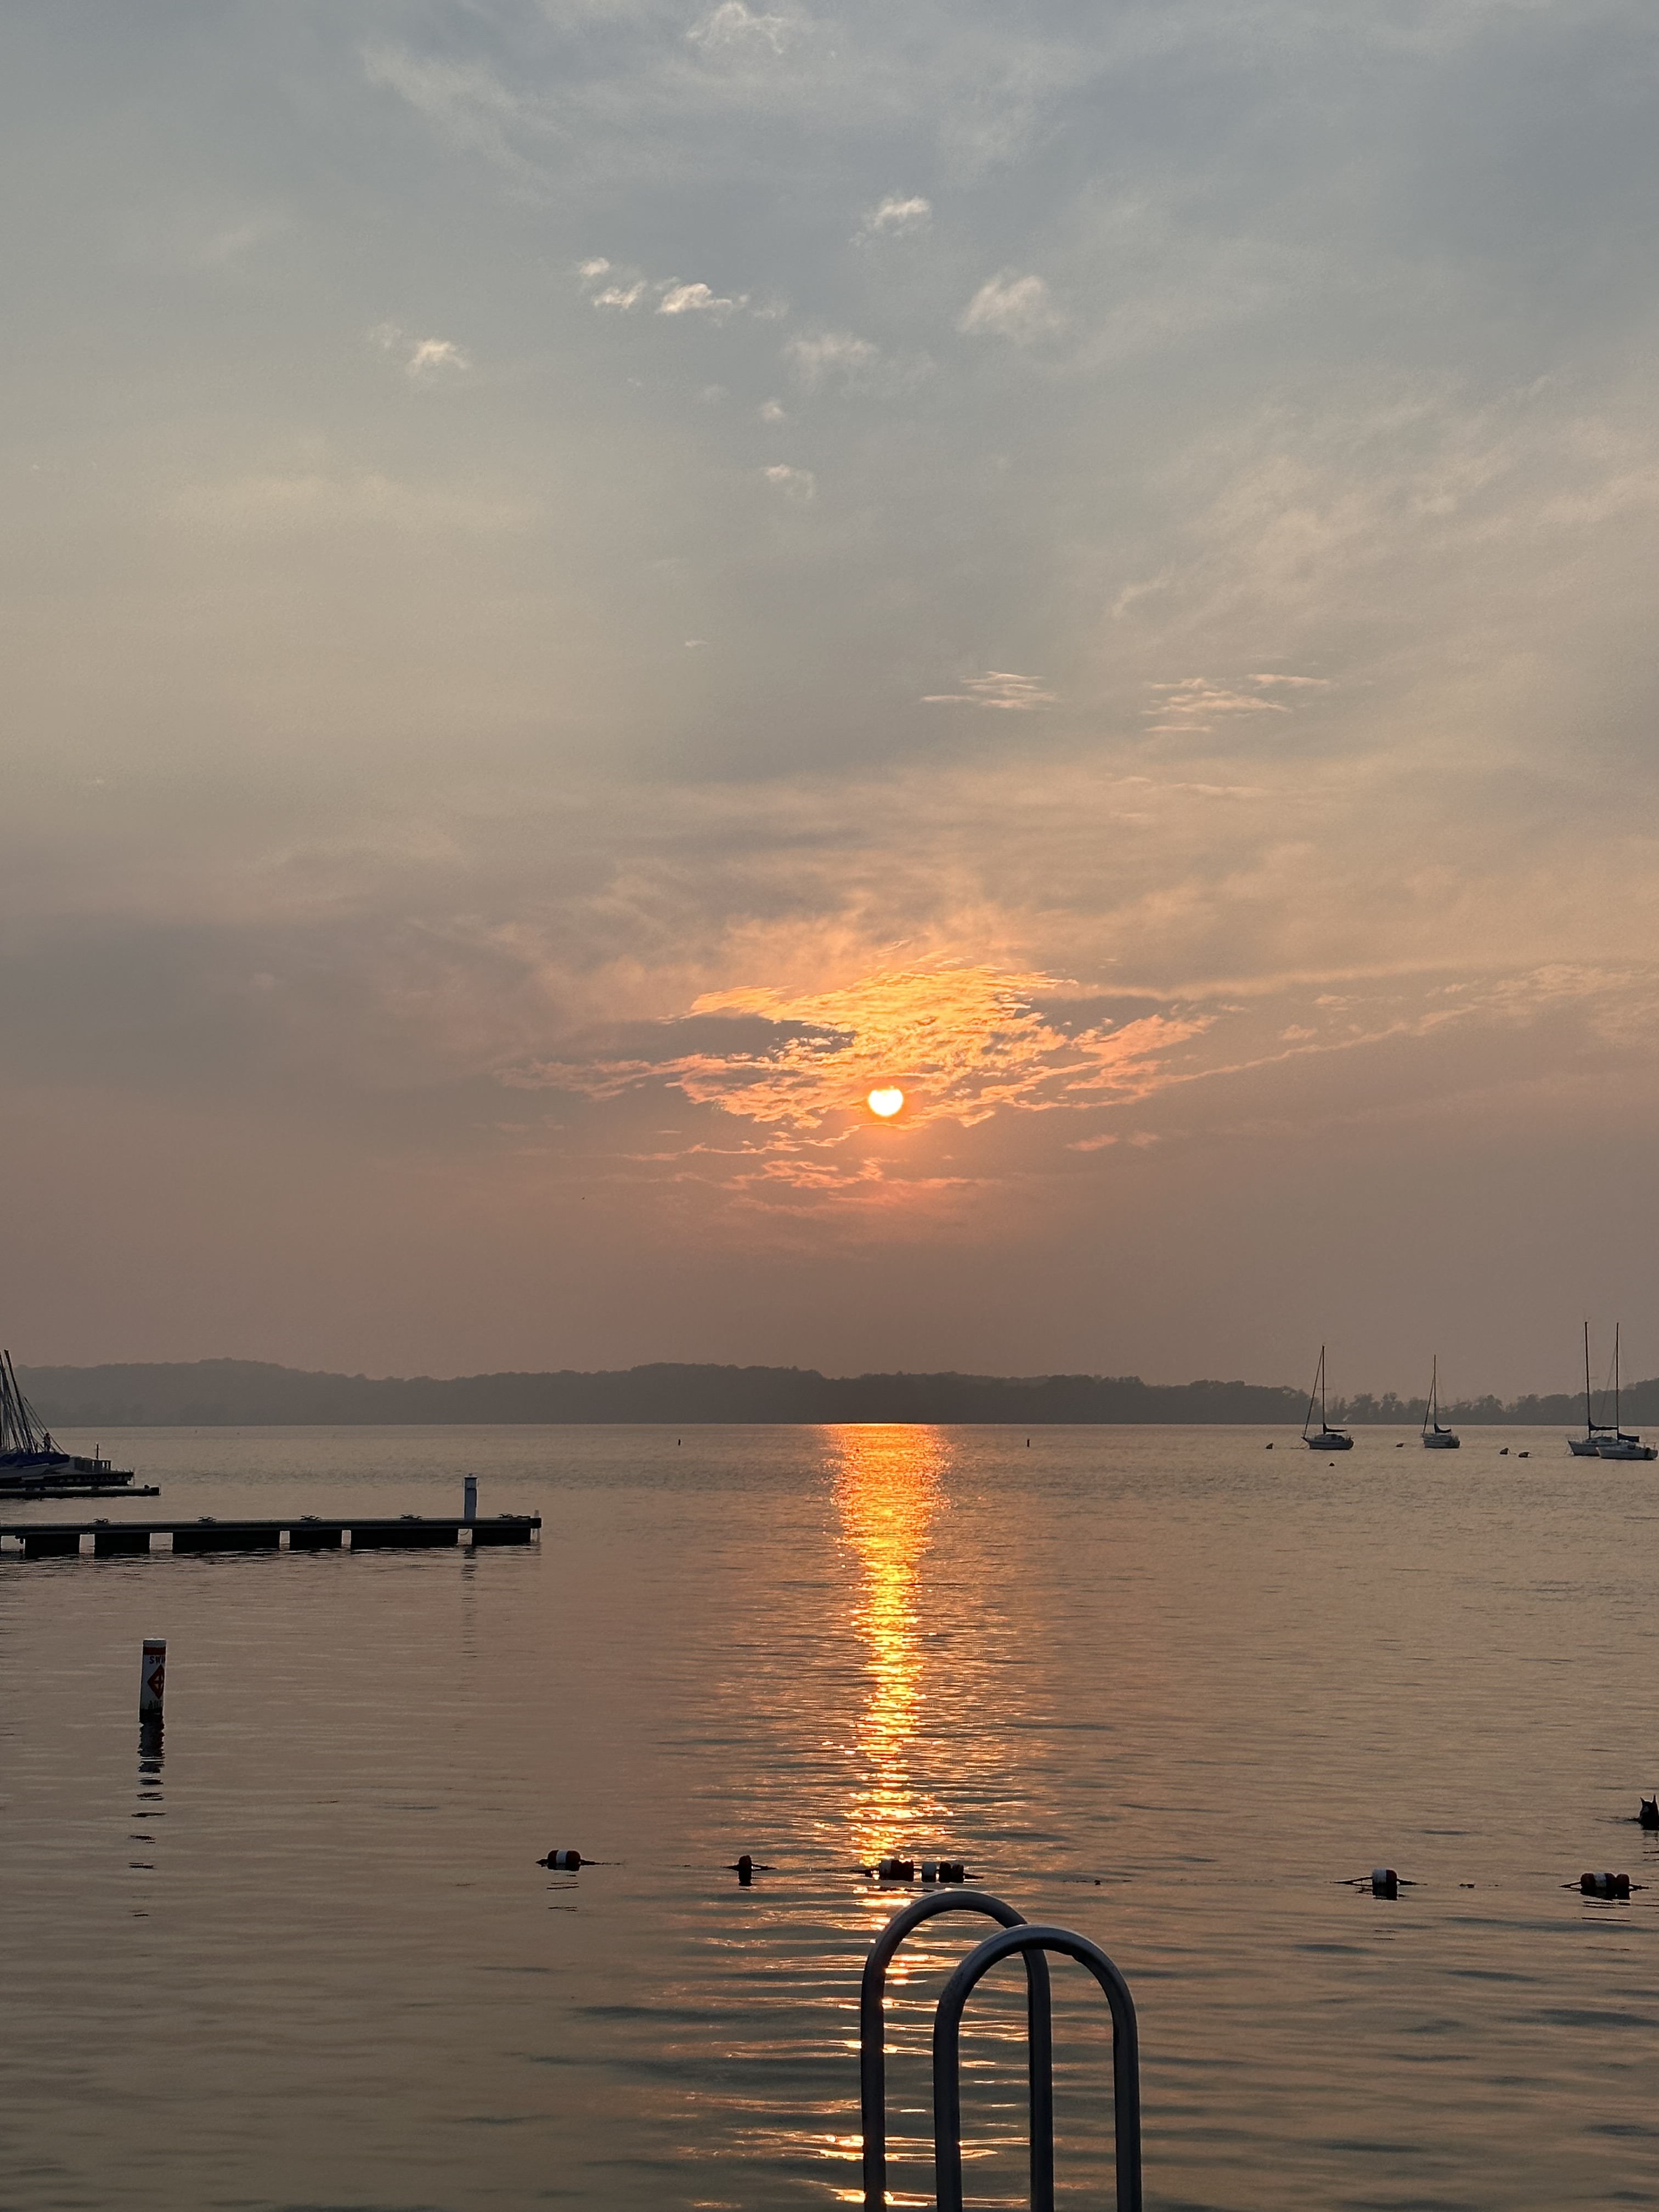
(886, 1103)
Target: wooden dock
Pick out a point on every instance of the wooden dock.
(303, 1532)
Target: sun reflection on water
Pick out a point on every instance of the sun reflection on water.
(889, 1489)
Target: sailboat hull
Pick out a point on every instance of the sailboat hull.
(1583, 1447)
(1440, 1440)
(1329, 1440)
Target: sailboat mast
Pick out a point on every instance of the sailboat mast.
(1589, 1426)
(1616, 1326)
(1318, 1391)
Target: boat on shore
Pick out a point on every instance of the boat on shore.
(1616, 1444)
(1436, 1435)
(1325, 1437)
(32, 1465)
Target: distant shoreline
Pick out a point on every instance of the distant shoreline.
(258, 1394)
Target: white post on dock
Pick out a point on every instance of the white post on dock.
(470, 1499)
(152, 1677)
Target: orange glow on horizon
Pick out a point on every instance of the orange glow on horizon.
(886, 1101)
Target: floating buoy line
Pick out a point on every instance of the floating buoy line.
(1382, 1882)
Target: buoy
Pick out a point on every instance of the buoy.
(1504, 1452)
(1269, 1447)
(152, 1677)
(566, 1862)
(896, 1870)
(470, 1498)
(1604, 1884)
(1385, 1882)
(1649, 1815)
(943, 1870)
(1523, 1454)
(746, 1866)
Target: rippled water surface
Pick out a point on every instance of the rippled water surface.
(1164, 1685)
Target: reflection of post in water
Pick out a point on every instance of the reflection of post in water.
(150, 1757)
(889, 1488)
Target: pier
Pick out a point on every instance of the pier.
(298, 1532)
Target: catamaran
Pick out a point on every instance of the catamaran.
(1325, 1438)
(31, 1462)
(1619, 1445)
(1589, 1446)
(1435, 1437)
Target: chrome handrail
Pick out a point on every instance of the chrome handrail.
(872, 2060)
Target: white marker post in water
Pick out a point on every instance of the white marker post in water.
(152, 1677)
(470, 1499)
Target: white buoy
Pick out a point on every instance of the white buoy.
(152, 1676)
(470, 1499)
(1385, 1882)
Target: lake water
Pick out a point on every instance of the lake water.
(1164, 1685)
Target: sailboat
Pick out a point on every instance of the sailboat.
(30, 1462)
(1619, 1445)
(1435, 1437)
(1589, 1446)
(1325, 1438)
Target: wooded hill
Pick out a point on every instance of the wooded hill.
(254, 1394)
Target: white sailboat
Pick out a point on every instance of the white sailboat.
(1589, 1446)
(1435, 1437)
(1619, 1445)
(1325, 1438)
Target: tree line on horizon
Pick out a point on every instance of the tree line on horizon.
(258, 1394)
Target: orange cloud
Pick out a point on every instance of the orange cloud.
(961, 1040)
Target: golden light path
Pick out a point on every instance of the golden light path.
(886, 1101)
(889, 1489)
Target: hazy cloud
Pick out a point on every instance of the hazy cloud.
(732, 25)
(896, 218)
(698, 300)
(799, 485)
(1017, 308)
(1000, 689)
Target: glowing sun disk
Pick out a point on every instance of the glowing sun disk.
(885, 1103)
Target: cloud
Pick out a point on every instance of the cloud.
(964, 1041)
(698, 300)
(429, 357)
(837, 359)
(423, 358)
(1017, 308)
(896, 218)
(1189, 703)
(799, 485)
(1000, 688)
(732, 25)
(833, 355)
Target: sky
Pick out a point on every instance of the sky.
(582, 584)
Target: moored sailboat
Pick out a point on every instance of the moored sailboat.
(1325, 1437)
(1435, 1437)
(1619, 1445)
(1589, 1446)
(31, 1464)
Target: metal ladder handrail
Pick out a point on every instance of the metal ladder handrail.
(1033, 1940)
(872, 2035)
